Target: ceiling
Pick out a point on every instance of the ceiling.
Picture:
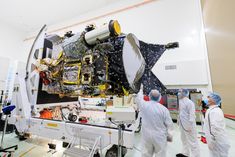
(30, 15)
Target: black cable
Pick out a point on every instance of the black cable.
(210, 122)
(112, 122)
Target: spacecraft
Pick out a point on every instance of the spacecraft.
(96, 62)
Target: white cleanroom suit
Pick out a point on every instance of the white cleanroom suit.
(187, 125)
(156, 122)
(214, 127)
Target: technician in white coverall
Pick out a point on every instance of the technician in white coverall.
(187, 125)
(156, 122)
(214, 128)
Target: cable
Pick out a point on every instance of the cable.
(112, 122)
(210, 122)
(137, 148)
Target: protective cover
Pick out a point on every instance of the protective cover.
(74, 46)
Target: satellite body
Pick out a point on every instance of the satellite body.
(97, 62)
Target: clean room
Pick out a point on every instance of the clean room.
(117, 78)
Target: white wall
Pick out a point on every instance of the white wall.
(11, 46)
(11, 43)
(160, 21)
(4, 64)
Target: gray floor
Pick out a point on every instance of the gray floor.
(37, 147)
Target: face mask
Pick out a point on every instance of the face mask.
(206, 102)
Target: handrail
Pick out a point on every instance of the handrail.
(95, 146)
